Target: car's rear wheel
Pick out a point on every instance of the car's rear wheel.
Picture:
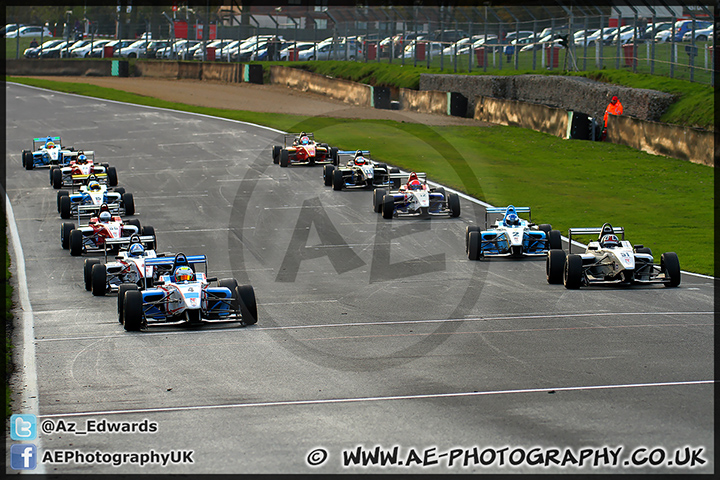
(124, 287)
(65, 207)
(545, 227)
(87, 272)
(27, 158)
(276, 153)
(132, 310)
(328, 175)
(454, 204)
(76, 243)
(248, 304)
(52, 169)
(99, 280)
(378, 195)
(554, 266)
(572, 273)
(670, 264)
(284, 158)
(555, 239)
(334, 156)
(120, 190)
(468, 230)
(57, 181)
(128, 203)
(149, 231)
(231, 283)
(61, 193)
(112, 176)
(136, 223)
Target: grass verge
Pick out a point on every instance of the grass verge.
(663, 203)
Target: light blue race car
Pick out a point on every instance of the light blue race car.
(510, 236)
(47, 151)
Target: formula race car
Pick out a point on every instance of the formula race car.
(185, 295)
(94, 235)
(46, 151)
(129, 267)
(303, 150)
(415, 198)
(91, 197)
(81, 170)
(359, 172)
(610, 260)
(510, 235)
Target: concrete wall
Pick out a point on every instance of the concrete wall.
(570, 93)
(345, 90)
(521, 114)
(156, 69)
(222, 72)
(424, 102)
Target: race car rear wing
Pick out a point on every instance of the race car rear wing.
(351, 154)
(503, 211)
(293, 136)
(591, 231)
(81, 180)
(146, 240)
(72, 155)
(192, 261)
(44, 140)
(404, 176)
(93, 210)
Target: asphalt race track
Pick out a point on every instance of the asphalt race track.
(371, 332)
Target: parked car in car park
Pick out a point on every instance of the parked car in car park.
(98, 52)
(33, 52)
(152, 47)
(299, 47)
(85, 50)
(134, 49)
(701, 35)
(30, 31)
(67, 52)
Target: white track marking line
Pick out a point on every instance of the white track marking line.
(289, 403)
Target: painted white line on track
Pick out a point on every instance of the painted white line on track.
(329, 401)
(256, 328)
(30, 400)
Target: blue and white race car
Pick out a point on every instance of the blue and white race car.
(91, 197)
(186, 296)
(510, 235)
(47, 151)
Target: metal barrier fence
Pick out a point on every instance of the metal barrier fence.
(492, 47)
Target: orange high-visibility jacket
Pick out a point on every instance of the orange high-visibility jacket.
(611, 109)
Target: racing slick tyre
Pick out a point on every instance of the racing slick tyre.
(27, 160)
(328, 175)
(52, 169)
(132, 310)
(57, 181)
(643, 250)
(111, 176)
(61, 193)
(284, 158)
(670, 264)
(87, 272)
(468, 230)
(276, 153)
(65, 230)
(474, 251)
(248, 304)
(124, 287)
(65, 207)
(378, 195)
(388, 206)
(334, 156)
(572, 273)
(99, 280)
(76, 243)
(120, 190)
(544, 227)
(394, 170)
(128, 203)
(554, 266)
(555, 239)
(454, 204)
(148, 230)
(136, 223)
(337, 180)
(231, 284)
(441, 191)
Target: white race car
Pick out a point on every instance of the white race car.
(186, 295)
(95, 235)
(360, 171)
(90, 199)
(81, 170)
(610, 260)
(510, 235)
(415, 198)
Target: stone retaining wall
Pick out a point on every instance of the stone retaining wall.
(60, 67)
(424, 102)
(522, 114)
(345, 90)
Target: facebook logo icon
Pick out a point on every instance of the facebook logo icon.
(23, 427)
(23, 456)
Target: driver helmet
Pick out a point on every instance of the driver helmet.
(94, 186)
(105, 217)
(184, 274)
(50, 145)
(82, 158)
(136, 250)
(609, 241)
(512, 220)
(414, 182)
(359, 159)
(304, 140)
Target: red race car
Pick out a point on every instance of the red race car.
(301, 148)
